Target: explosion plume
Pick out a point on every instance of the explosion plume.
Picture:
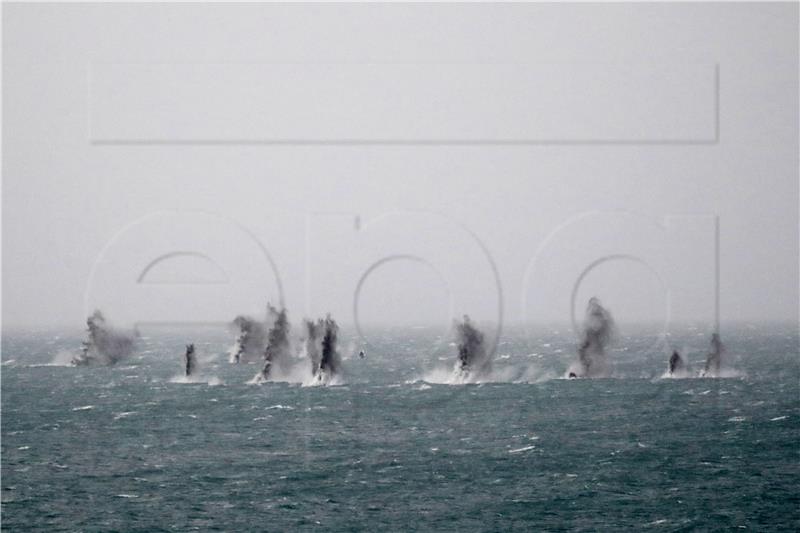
(104, 345)
(473, 361)
(598, 332)
(189, 361)
(277, 354)
(714, 357)
(321, 347)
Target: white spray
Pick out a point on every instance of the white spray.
(104, 345)
(474, 361)
(598, 332)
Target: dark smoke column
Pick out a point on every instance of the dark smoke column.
(103, 345)
(189, 360)
(330, 361)
(250, 342)
(277, 354)
(93, 326)
(598, 331)
(473, 360)
(321, 346)
(676, 363)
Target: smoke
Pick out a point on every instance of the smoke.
(321, 345)
(330, 360)
(63, 357)
(104, 345)
(598, 332)
(250, 342)
(278, 353)
(713, 367)
(195, 362)
(272, 341)
(677, 366)
(714, 357)
(313, 343)
(189, 361)
(473, 361)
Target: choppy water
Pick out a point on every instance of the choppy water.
(129, 449)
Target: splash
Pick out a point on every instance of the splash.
(598, 332)
(211, 381)
(277, 354)
(104, 345)
(62, 358)
(535, 374)
(322, 339)
(515, 371)
(714, 358)
(677, 366)
(474, 362)
(331, 359)
(313, 343)
(251, 341)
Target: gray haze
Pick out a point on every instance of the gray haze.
(114, 112)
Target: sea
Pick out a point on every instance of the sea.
(395, 445)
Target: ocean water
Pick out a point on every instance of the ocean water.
(135, 448)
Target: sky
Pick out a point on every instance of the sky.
(400, 164)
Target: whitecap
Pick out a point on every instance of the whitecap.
(525, 449)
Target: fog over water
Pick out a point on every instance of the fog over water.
(509, 213)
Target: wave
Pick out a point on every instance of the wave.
(523, 449)
(207, 380)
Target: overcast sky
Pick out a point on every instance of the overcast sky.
(408, 162)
